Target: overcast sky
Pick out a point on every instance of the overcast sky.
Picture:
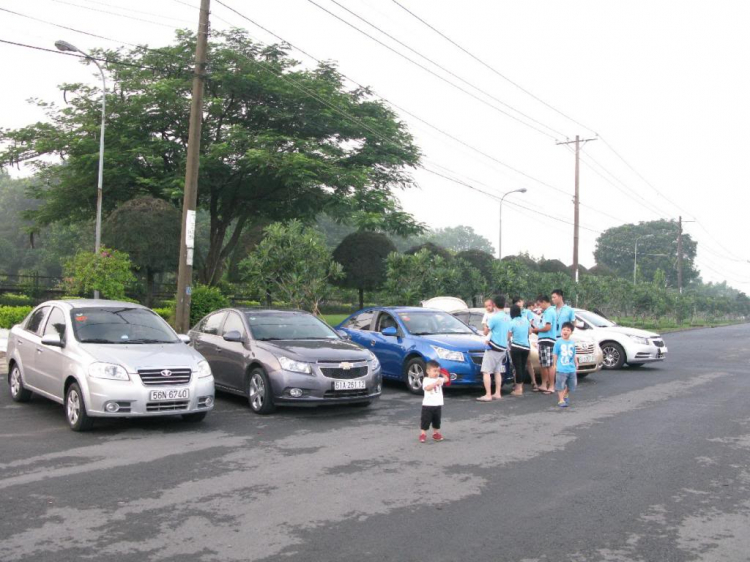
(665, 83)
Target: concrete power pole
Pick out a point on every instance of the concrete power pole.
(190, 200)
(576, 203)
(679, 254)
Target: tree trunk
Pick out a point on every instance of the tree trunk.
(361, 298)
(149, 287)
(218, 252)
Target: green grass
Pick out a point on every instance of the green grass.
(665, 325)
(334, 319)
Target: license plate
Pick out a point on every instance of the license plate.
(586, 359)
(170, 394)
(348, 385)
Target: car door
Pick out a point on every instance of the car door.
(231, 359)
(26, 344)
(389, 349)
(359, 328)
(50, 361)
(207, 340)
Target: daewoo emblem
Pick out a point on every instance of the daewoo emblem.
(346, 366)
(166, 373)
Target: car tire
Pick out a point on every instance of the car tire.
(18, 392)
(75, 409)
(259, 392)
(195, 417)
(413, 374)
(635, 365)
(614, 355)
(580, 376)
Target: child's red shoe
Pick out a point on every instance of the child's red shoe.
(423, 438)
(437, 437)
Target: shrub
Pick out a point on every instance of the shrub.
(13, 299)
(167, 313)
(109, 271)
(204, 300)
(12, 315)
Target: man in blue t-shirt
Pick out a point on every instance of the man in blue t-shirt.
(563, 313)
(533, 320)
(499, 326)
(546, 331)
(566, 362)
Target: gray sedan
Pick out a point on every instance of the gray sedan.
(107, 359)
(285, 357)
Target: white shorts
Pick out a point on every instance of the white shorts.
(494, 361)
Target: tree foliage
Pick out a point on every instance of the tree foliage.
(278, 142)
(460, 239)
(293, 262)
(363, 258)
(108, 272)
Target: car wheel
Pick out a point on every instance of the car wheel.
(614, 355)
(580, 376)
(635, 365)
(18, 392)
(413, 375)
(259, 393)
(75, 409)
(194, 418)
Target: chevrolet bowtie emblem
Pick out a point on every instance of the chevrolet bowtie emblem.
(346, 366)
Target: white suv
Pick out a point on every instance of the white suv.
(619, 344)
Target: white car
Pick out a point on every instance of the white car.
(619, 344)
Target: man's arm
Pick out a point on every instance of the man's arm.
(547, 328)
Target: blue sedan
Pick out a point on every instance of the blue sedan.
(405, 338)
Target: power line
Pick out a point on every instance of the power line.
(442, 78)
(112, 13)
(486, 65)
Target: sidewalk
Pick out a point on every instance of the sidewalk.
(4, 341)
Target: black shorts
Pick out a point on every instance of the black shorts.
(431, 415)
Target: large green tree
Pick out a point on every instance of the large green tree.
(657, 249)
(363, 257)
(278, 141)
(460, 239)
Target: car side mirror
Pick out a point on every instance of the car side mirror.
(233, 336)
(580, 325)
(53, 340)
(343, 334)
(183, 338)
(475, 330)
(389, 331)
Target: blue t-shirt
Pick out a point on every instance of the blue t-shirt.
(520, 332)
(564, 314)
(499, 325)
(566, 355)
(548, 317)
(530, 316)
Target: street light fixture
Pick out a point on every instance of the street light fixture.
(68, 47)
(500, 235)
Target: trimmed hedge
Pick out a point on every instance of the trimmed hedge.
(14, 299)
(12, 315)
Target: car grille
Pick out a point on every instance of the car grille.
(477, 355)
(658, 343)
(171, 406)
(151, 377)
(585, 349)
(345, 393)
(335, 371)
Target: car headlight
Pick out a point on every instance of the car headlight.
(294, 366)
(374, 363)
(639, 339)
(108, 371)
(447, 354)
(204, 370)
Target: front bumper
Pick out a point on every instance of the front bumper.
(640, 353)
(318, 390)
(464, 373)
(133, 400)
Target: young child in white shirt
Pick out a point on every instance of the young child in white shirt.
(432, 403)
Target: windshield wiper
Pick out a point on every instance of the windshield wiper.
(97, 340)
(271, 339)
(422, 333)
(145, 340)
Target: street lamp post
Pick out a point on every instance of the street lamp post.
(500, 232)
(67, 47)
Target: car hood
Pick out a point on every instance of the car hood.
(627, 331)
(144, 356)
(311, 351)
(458, 342)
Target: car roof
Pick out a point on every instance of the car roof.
(270, 311)
(94, 303)
(398, 309)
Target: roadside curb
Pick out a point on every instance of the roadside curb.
(677, 331)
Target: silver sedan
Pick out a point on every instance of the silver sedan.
(107, 359)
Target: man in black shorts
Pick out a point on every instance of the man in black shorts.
(546, 333)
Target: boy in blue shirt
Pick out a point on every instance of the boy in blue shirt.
(520, 347)
(566, 362)
(547, 332)
(498, 325)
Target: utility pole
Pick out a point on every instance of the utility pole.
(576, 203)
(679, 254)
(190, 200)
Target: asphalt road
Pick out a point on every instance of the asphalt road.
(647, 465)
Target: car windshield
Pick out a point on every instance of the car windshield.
(120, 326)
(433, 322)
(595, 320)
(267, 327)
